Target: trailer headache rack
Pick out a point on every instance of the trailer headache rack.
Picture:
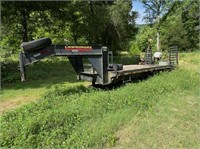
(103, 70)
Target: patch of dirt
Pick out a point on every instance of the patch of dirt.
(123, 136)
(15, 103)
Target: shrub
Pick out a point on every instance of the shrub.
(134, 49)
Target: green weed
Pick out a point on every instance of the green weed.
(84, 117)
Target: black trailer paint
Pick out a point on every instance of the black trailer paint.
(102, 71)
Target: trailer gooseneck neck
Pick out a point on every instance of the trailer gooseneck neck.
(103, 72)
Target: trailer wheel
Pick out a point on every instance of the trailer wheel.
(36, 44)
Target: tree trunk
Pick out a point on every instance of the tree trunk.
(24, 26)
(158, 33)
(158, 40)
(91, 7)
(75, 38)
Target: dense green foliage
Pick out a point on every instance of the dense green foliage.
(178, 26)
(181, 26)
(79, 22)
(111, 23)
(86, 117)
(144, 34)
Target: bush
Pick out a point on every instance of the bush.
(9, 71)
(134, 49)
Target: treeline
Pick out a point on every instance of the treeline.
(170, 23)
(111, 23)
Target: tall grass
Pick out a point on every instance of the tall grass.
(82, 117)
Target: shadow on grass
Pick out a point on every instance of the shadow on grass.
(40, 74)
(79, 89)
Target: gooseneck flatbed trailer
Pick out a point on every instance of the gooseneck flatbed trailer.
(102, 72)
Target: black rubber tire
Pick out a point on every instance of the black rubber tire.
(36, 44)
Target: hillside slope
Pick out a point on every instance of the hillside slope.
(161, 111)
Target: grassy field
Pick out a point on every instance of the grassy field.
(41, 77)
(160, 112)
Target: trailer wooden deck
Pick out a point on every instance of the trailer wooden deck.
(132, 69)
(127, 68)
(136, 71)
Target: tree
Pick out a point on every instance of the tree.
(190, 18)
(144, 34)
(173, 33)
(110, 23)
(20, 20)
(18, 13)
(122, 22)
(179, 26)
(155, 9)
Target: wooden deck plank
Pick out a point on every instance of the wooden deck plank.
(140, 67)
(134, 69)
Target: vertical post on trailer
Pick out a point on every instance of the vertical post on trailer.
(22, 67)
(110, 58)
(105, 64)
(177, 55)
